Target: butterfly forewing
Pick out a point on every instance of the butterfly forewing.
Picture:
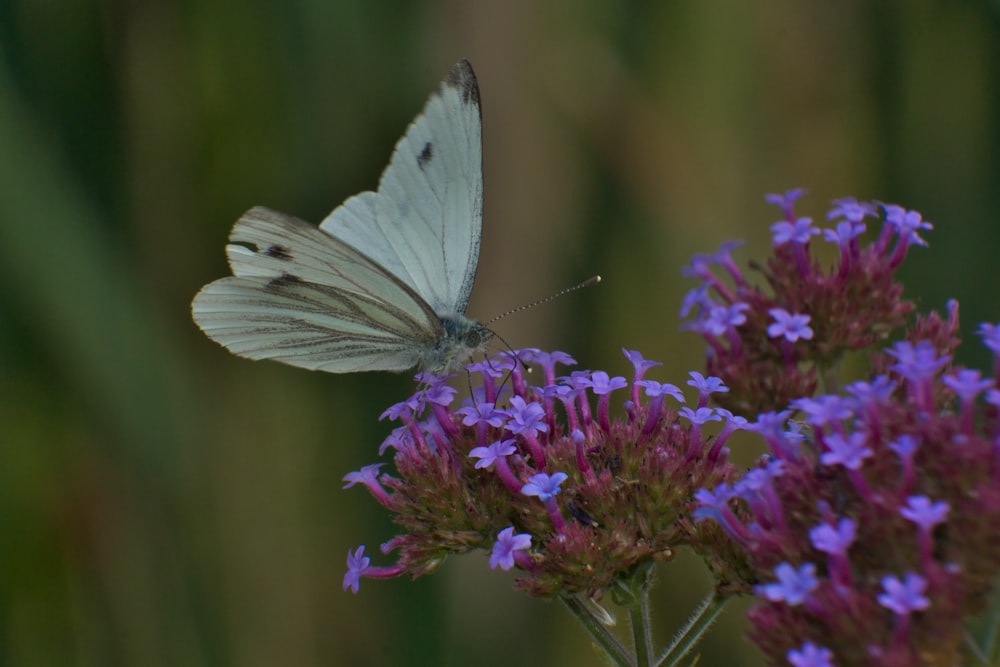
(425, 222)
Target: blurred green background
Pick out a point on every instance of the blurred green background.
(165, 503)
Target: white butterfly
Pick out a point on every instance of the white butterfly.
(384, 281)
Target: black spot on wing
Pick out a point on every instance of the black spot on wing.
(425, 155)
(278, 252)
(284, 280)
(463, 79)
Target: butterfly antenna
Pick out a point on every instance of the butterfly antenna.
(468, 378)
(593, 280)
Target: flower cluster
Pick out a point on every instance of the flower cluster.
(773, 345)
(574, 495)
(873, 526)
(870, 532)
(876, 525)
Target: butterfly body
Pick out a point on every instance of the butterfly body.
(384, 282)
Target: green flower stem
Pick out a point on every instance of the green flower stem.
(633, 594)
(617, 653)
(642, 631)
(692, 632)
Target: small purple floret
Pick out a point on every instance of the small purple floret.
(793, 586)
(357, 563)
(506, 546)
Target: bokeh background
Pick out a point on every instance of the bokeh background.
(165, 503)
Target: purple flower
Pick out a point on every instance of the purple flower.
(506, 546)
(717, 497)
(757, 489)
(699, 266)
(543, 485)
(917, 362)
(878, 390)
(851, 210)
(759, 479)
(724, 257)
(990, 333)
(906, 223)
(697, 417)
(488, 455)
(706, 386)
(700, 416)
(799, 231)
(440, 393)
(810, 655)
(791, 327)
(403, 411)
(399, 439)
(526, 418)
(834, 540)
(793, 585)
(357, 564)
(366, 475)
(548, 361)
(655, 389)
(771, 427)
(786, 200)
(848, 452)
(430, 378)
(487, 368)
(844, 232)
(369, 477)
(736, 422)
(601, 383)
(715, 505)
(903, 597)
(904, 446)
(823, 410)
(696, 299)
(967, 384)
(640, 363)
(482, 413)
(721, 319)
(921, 511)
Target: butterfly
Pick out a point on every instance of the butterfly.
(384, 281)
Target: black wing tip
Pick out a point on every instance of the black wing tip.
(462, 78)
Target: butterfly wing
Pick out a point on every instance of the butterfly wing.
(425, 222)
(303, 297)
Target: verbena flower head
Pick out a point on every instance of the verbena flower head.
(574, 483)
(879, 533)
(771, 342)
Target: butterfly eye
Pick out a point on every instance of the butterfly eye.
(475, 337)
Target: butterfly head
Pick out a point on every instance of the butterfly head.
(463, 337)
